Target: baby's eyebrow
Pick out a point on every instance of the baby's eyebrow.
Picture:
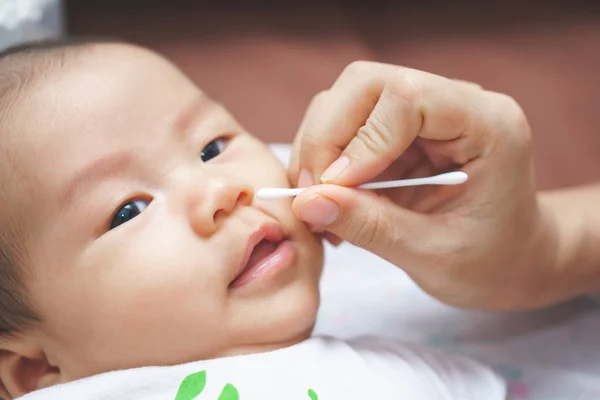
(101, 168)
(191, 113)
(116, 163)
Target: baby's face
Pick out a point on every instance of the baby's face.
(144, 221)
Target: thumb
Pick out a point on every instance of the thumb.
(365, 219)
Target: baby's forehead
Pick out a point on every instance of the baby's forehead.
(102, 96)
(111, 90)
(85, 73)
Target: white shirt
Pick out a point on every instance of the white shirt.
(320, 368)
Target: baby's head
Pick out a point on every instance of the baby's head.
(128, 222)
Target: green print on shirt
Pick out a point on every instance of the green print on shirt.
(193, 384)
(229, 393)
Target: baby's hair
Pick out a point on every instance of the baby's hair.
(20, 66)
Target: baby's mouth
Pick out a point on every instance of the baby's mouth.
(263, 251)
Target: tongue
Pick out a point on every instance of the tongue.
(262, 249)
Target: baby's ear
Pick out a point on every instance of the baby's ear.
(24, 368)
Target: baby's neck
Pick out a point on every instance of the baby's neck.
(267, 347)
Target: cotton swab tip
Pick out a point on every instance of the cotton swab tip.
(452, 178)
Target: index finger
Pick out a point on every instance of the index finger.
(333, 118)
(409, 103)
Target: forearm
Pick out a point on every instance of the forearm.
(575, 213)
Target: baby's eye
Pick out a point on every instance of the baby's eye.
(128, 211)
(213, 149)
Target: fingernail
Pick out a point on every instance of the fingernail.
(335, 169)
(305, 179)
(319, 210)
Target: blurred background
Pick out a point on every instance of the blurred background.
(265, 60)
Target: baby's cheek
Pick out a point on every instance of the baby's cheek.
(146, 309)
(261, 165)
(163, 285)
(138, 284)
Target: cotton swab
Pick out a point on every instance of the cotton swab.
(449, 178)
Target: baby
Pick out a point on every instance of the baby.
(131, 242)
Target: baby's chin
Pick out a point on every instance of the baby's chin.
(292, 319)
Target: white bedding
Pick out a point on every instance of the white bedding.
(552, 354)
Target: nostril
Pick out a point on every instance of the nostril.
(219, 215)
(244, 198)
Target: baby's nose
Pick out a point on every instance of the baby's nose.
(219, 199)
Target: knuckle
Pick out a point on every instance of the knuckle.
(403, 81)
(515, 121)
(377, 130)
(405, 90)
(374, 229)
(468, 84)
(364, 232)
(376, 136)
(357, 233)
(309, 142)
(320, 97)
(408, 84)
(318, 100)
(513, 110)
(386, 230)
(358, 68)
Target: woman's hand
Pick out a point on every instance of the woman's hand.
(484, 244)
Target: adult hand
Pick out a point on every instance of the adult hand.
(484, 244)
